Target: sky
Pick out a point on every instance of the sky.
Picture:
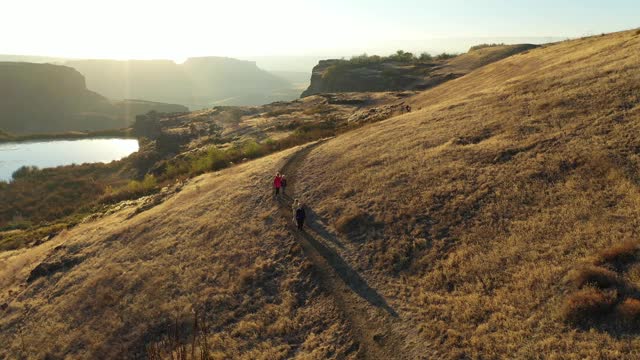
(145, 29)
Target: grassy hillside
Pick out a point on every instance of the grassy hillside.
(476, 215)
(130, 285)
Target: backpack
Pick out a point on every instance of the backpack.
(300, 213)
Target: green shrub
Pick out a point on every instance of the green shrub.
(445, 56)
(140, 187)
(425, 57)
(483, 46)
(24, 171)
(402, 56)
(365, 59)
(252, 149)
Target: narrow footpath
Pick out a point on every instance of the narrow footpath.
(367, 311)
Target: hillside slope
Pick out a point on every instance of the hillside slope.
(472, 214)
(210, 259)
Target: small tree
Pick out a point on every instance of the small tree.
(425, 56)
(402, 56)
(445, 56)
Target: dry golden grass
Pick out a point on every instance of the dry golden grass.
(212, 270)
(549, 177)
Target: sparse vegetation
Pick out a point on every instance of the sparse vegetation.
(400, 56)
(214, 158)
(484, 46)
(425, 57)
(42, 195)
(445, 56)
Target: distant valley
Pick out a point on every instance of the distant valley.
(94, 95)
(197, 83)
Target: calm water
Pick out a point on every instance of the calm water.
(62, 152)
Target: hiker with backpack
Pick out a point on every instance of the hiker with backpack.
(277, 183)
(300, 216)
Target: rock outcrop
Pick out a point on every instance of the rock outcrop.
(331, 76)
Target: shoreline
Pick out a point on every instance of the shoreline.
(71, 135)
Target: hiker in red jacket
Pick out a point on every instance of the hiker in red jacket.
(277, 183)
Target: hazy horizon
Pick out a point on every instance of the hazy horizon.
(252, 29)
(305, 62)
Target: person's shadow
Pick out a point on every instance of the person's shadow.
(349, 275)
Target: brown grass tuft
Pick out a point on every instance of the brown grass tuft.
(351, 221)
(628, 311)
(587, 304)
(598, 277)
(618, 256)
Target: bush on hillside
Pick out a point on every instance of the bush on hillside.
(483, 46)
(445, 56)
(24, 171)
(399, 56)
(425, 57)
(365, 59)
(402, 56)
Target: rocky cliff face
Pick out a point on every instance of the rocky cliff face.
(331, 76)
(38, 98)
(46, 98)
(340, 76)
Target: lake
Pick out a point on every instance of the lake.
(53, 153)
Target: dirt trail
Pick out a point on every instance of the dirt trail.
(368, 313)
